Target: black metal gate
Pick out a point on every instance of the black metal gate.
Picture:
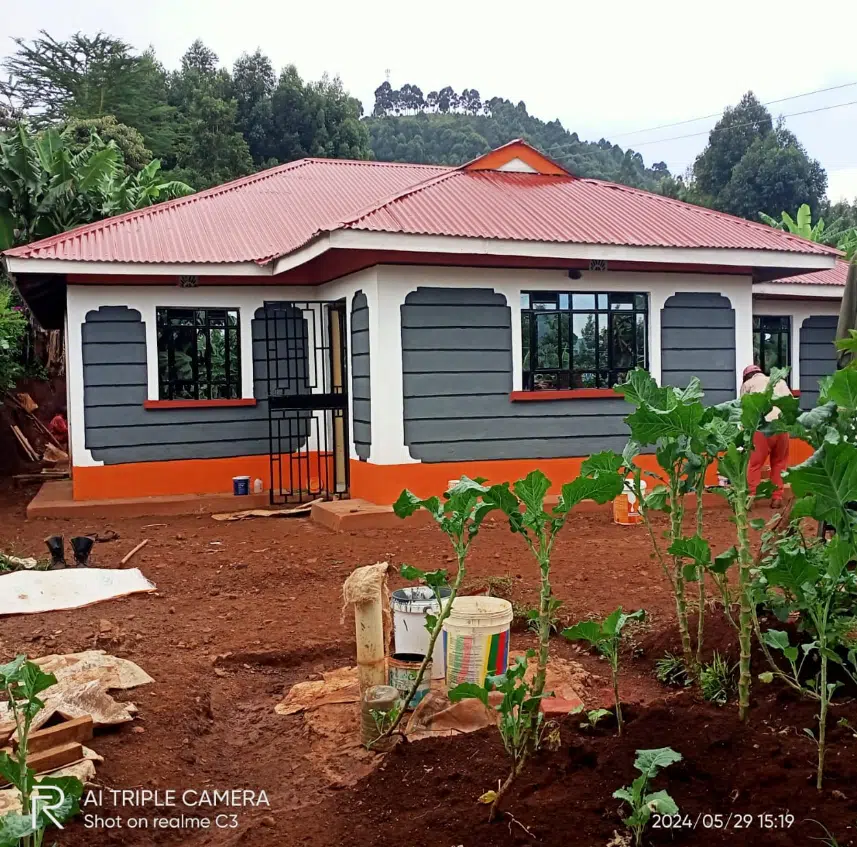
(307, 378)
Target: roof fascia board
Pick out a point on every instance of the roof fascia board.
(15, 264)
(800, 290)
(320, 244)
(366, 240)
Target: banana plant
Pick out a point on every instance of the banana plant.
(46, 188)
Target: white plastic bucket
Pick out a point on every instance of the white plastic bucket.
(476, 639)
(626, 510)
(409, 607)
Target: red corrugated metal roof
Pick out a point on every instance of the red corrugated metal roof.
(832, 276)
(251, 219)
(533, 207)
(275, 212)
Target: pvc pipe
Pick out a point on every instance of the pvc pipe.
(369, 621)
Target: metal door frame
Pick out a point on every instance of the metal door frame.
(304, 400)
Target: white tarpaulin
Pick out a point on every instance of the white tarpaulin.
(28, 592)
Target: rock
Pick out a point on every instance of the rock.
(105, 625)
(138, 730)
(268, 820)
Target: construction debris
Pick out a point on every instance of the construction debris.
(29, 592)
(54, 455)
(296, 512)
(26, 402)
(128, 556)
(83, 682)
(32, 455)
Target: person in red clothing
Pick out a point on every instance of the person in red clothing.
(59, 428)
(767, 445)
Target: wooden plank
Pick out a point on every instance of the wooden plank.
(28, 449)
(51, 759)
(78, 729)
(56, 757)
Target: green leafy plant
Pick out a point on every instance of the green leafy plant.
(524, 506)
(813, 577)
(678, 425)
(717, 680)
(22, 682)
(643, 802)
(671, 670)
(593, 717)
(520, 718)
(459, 515)
(13, 324)
(741, 420)
(606, 637)
(383, 721)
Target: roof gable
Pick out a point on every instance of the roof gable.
(516, 156)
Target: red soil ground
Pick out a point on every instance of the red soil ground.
(245, 610)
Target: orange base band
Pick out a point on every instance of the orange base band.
(381, 484)
(191, 476)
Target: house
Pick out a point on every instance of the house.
(353, 328)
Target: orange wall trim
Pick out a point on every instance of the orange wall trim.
(380, 484)
(191, 476)
(383, 484)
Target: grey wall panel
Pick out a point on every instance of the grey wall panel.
(361, 390)
(457, 376)
(817, 355)
(698, 339)
(118, 429)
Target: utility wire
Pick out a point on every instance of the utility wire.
(718, 114)
(554, 149)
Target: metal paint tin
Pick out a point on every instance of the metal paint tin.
(402, 670)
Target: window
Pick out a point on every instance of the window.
(199, 354)
(772, 342)
(582, 339)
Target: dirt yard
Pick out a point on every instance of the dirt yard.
(244, 610)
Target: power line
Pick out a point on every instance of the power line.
(714, 129)
(748, 123)
(718, 114)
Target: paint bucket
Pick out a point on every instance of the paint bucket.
(476, 639)
(626, 510)
(402, 670)
(240, 485)
(410, 607)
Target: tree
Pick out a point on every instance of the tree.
(85, 78)
(210, 149)
(774, 174)
(384, 100)
(78, 133)
(728, 142)
(842, 237)
(82, 77)
(253, 81)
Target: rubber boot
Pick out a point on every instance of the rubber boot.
(82, 545)
(56, 547)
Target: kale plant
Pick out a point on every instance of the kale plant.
(606, 637)
(643, 802)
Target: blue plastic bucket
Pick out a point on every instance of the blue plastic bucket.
(240, 485)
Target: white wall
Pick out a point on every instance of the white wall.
(798, 311)
(395, 282)
(81, 299)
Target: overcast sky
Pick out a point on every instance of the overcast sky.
(604, 68)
